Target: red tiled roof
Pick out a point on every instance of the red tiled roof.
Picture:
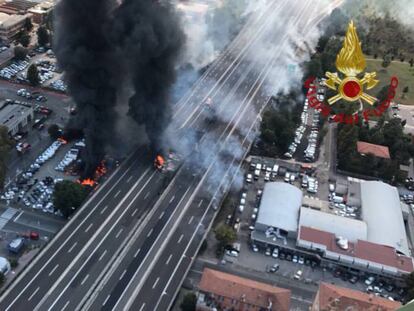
(235, 287)
(341, 298)
(372, 252)
(376, 150)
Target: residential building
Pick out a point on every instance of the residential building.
(42, 11)
(223, 291)
(11, 25)
(336, 298)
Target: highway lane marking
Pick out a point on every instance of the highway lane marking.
(161, 215)
(168, 260)
(106, 300)
(134, 212)
(104, 209)
(142, 307)
(172, 199)
(136, 253)
(155, 283)
(108, 232)
(53, 270)
(147, 194)
(84, 279)
(66, 240)
(201, 202)
(129, 178)
(34, 293)
(150, 232)
(72, 247)
(89, 227)
(122, 275)
(65, 306)
(191, 220)
(116, 194)
(181, 237)
(103, 254)
(119, 232)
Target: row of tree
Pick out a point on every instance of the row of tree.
(43, 36)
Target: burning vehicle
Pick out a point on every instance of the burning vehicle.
(167, 164)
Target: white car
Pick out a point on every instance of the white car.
(370, 280)
(267, 176)
(298, 275)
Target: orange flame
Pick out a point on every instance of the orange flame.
(159, 162)
(88, 182)
(63, 141)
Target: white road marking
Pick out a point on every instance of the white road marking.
(136, 253)
(66, 304)
(168, 260)
(129, 178)
(84, 279)
(134, 212)
(172, 199)
(104, 209)
(122, 275)
(34, 293)
(103, 254)
(142, 307)
(119, 232)
(72, 247)
(18, 216)
(201, 202)
(116, 194)
(53, 270)
(181, 237)
(150, 232)
(155, 283)
(146, 195)
(162, 214)
(90, 226)
(106, 300)
(191, 220)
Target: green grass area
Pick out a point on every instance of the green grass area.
(402, 71)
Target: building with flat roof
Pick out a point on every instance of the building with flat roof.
(11, 25)
(331, 297)
(381, 211)
(15, 116)
(347, 228)
(42, 11)
(224, 291)
(279, 208)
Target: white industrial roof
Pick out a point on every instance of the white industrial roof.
(345, 227)
(280, 206)
(381, 211)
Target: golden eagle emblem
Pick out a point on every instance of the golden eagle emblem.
(351, 62)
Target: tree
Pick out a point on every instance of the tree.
(68, 196)
(2, 279)
(5, 145)
(411, 62)
(54, 131)
(28, 24)
(189, 302)
(14, 262)
(386, 61)
(225, 235)
(24, 38)
(20, 53)
(33, 75)
(43, 37)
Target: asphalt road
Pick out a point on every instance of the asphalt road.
(131, 244)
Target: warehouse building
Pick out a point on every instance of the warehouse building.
(15, 117)
(279, 209)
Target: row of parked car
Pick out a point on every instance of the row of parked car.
(31, 95)
(13, 69)
(59, 85)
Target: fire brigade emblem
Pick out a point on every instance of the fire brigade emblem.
(351, 63)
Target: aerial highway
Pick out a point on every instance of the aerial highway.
(131, 244)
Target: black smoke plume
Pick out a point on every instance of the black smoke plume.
(85, 54)
(148, 34)
(101, 48)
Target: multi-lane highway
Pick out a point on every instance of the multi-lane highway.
(131, 244)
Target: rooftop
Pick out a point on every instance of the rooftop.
(280, 206)
(253, 292)
(10, 114)
(384, 256)
(341, 298)
(375, 150)
(7, 20)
